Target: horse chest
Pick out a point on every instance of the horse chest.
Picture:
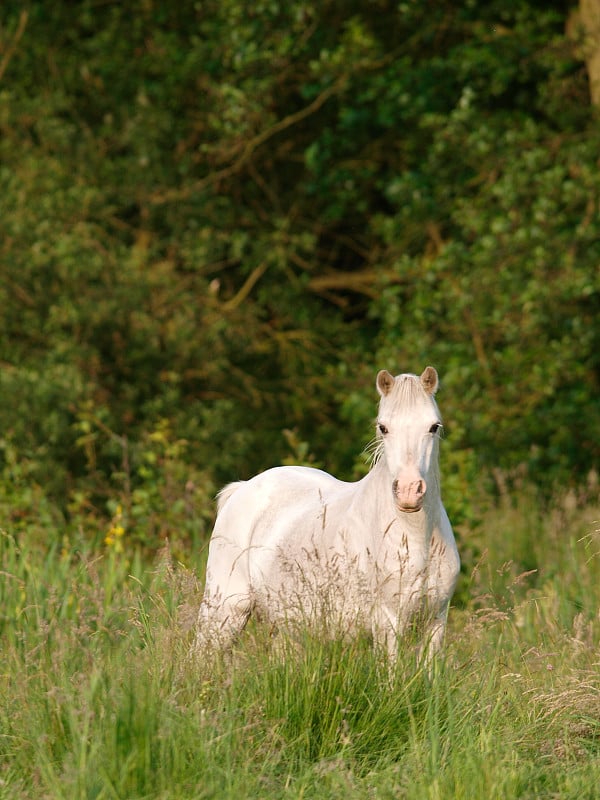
(399, 570)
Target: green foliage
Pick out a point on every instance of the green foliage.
(230, 219)
(510, 288)
(155, 494)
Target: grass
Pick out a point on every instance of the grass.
(99, 699)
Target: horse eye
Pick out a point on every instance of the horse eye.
(435, 428)
(382, 429)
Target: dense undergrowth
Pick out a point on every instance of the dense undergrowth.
(100, 699)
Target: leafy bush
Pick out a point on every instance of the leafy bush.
(231, 220)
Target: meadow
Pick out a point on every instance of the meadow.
(100, 699)
(216, 227)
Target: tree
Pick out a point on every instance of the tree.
(230, 218)
(584, 27)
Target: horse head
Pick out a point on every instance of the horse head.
(408, 427)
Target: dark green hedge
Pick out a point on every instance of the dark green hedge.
(223, 219)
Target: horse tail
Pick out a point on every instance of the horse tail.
(226, 493)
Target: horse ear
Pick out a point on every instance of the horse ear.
(429, 380)
(385, 381)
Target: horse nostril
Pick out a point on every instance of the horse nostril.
(395, 487)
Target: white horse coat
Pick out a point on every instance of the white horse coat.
(294, 544)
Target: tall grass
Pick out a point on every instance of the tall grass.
(99, 698)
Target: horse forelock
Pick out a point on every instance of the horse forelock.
(406, 393)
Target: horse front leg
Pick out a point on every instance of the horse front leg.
(387, 629)
(444, 569)
(434, 637)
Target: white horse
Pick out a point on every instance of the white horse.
(296, 544)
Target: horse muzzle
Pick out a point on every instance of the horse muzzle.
(409, 494)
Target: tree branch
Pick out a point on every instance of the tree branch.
(250, 147)
(363, 282)
(10, 50)
(243, 293)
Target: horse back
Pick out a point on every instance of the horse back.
(272, 501)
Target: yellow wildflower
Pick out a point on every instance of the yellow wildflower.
(116, 532)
